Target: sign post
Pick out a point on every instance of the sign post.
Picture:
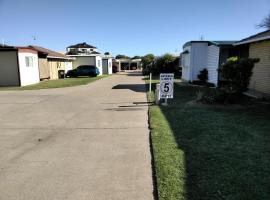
(166, 87)
(150, 85)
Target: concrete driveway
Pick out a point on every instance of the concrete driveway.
(85, 142)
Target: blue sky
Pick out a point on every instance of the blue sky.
(131, 27)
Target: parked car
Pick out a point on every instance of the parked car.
(83, 70)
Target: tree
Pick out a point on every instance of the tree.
(137, 57)
(265, 22)
(107, 53)
(121, 56)
(147, 60)
(165, 64)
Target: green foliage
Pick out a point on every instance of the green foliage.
(147, 60)
(237, 72)
(165, 64)
(137, 57)
(121, 56)
(203, 76)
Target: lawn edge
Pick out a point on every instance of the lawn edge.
(37, 89)
(153, 161)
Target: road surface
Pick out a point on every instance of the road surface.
(78, 143)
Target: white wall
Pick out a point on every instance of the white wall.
(212, 64)
(198, 55)
(186, 64)
(110, 65)
(68, 66)
(28, 75)
(99, 64)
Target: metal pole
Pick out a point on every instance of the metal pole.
(165, 102)
(150, 85)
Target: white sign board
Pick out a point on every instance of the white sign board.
(166, 86)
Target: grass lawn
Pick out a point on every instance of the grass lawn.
(59, 83)
(205, 152)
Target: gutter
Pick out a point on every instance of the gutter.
(59, 57)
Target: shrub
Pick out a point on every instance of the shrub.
(145, 71)
(237, 73)
(165, 64)
(203, 76)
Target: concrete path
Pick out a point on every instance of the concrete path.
(87, 142)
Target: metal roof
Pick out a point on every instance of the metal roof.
(217, 43)
(265, 35)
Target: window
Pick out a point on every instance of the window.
(29, 61)
(99, 64)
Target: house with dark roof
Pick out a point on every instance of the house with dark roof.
(50, 62)
(18, 66)
(86, 54)
(199, 55)
(258, 46)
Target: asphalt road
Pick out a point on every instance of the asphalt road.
(85, 142)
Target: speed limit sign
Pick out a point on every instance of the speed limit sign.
(166, 86)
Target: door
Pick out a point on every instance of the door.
(105, 66)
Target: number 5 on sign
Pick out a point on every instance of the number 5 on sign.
(166, 86)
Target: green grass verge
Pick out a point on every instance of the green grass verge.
(210, 152)
(59, 83)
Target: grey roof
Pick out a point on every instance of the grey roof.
(50, 53)
(217, 43)
(265, 35)
(82, 45)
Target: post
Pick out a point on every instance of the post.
(150, 83)
(166, 102)
(157, 94)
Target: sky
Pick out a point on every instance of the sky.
(129, 27)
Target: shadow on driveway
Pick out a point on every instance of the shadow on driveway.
(133, 87)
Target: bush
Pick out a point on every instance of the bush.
(165, 64)
(203, 76)
(145, 71)
(237, 73)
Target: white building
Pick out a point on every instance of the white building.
(85, 54)
(18, 66)
(199, 55)
(107, 64)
